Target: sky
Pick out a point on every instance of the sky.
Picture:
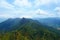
(29, 8)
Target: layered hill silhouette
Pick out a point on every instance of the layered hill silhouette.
(54, 22)
(27, 29)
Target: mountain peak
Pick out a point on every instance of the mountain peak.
(27, 29)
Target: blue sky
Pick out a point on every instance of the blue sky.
(29, 8)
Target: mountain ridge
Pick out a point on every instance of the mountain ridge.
(28, 29)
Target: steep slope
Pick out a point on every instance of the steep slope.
(28, 29)
(7, 25)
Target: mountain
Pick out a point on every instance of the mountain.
(2, 19)
(6, 25)
(27, 29)
(53, 22)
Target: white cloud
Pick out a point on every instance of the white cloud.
(26, 16)
(6, 5)
(38, 3)
(22, 3)
(31, 13)
(36, 13)
(41, 2)
(5, 16)
(43, 14)
(56, 1)
(57, 10)
(26, 3)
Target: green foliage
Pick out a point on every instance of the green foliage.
(30, 30)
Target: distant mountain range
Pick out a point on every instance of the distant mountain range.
(53, 22)
(27, 29)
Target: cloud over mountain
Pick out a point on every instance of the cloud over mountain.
(31, 8)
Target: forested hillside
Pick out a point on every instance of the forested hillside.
(27, 29)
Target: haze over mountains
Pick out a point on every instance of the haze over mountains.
(27, 29)
(3, 19)
(53, 22)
